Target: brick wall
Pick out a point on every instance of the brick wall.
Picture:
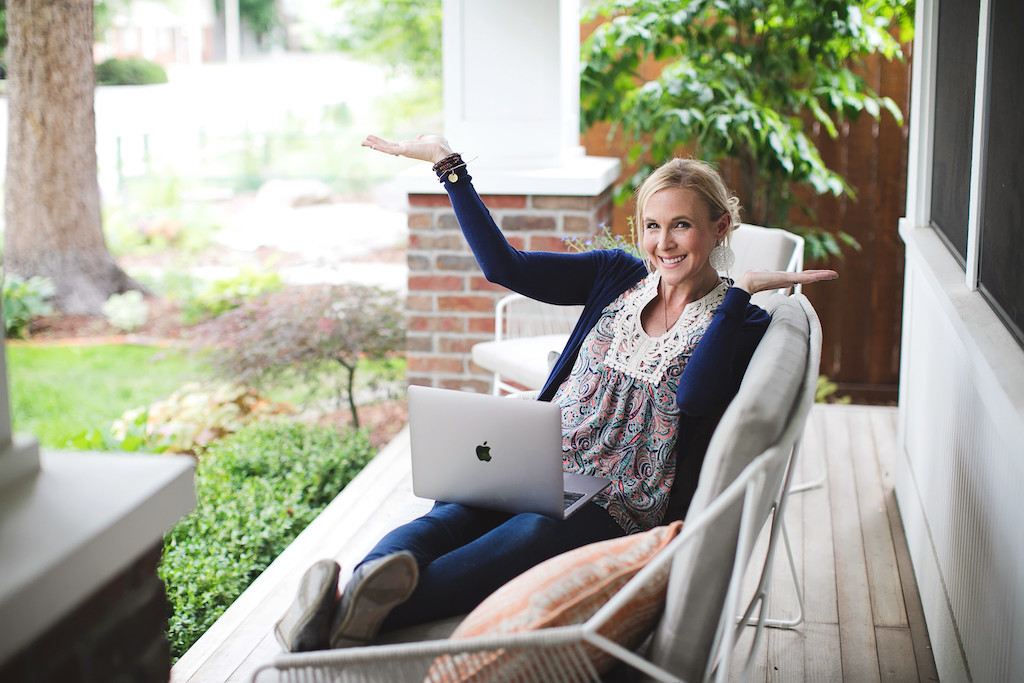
(450, 306)
(119, 634)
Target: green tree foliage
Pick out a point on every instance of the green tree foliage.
(104, 12)
(741, 79)
(405, 34)
(259, 15)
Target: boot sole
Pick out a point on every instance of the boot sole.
(365, 605)
(305, 626)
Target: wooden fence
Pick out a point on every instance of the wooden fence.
(861, 312)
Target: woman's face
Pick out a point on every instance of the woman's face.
(678, 234)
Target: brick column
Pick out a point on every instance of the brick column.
(119, 634)
(450, 306)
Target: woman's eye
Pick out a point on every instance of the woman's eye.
(682, 225)
(651, 226)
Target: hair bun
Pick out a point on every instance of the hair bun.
(732, 204)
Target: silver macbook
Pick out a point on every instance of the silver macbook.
(493, 452)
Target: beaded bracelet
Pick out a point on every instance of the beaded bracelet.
(448, 166)
(447, 163)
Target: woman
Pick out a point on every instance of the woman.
(661, 350)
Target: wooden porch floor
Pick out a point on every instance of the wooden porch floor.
(863, 618)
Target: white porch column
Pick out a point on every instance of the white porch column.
(194, 36)
(511, 86)
(512, 99)
(232, 31)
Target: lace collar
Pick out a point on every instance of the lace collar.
(635, 353)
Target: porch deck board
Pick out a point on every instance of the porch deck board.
(863, 617)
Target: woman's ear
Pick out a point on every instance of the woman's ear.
(723, 225)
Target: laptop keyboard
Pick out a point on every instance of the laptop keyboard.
(570, 498)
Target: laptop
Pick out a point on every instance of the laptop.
(493, 452)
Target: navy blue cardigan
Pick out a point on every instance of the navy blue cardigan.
(594, 279)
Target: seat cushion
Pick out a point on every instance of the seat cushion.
(753, 423)
(760, 411)
(523, 360)
(565, 590)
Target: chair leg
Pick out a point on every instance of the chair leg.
(761, 594)
(799, 618)
(817, 481)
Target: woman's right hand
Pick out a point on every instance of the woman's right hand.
(430, 148)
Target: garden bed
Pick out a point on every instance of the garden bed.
(382, 419)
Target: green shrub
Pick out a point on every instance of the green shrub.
(229, 293)
(826, 392)
(24, 300)
(256, 491)
(129, 71)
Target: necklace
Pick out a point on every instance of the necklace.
(664, 308)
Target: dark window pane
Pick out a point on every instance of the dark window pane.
(956, 71)
(1002, 228)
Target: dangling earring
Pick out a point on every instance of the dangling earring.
(722, 257)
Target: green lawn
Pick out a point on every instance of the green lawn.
(58, 392)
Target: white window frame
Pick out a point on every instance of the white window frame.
(978, 152)
(921, 152)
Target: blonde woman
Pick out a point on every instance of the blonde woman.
(660, 350)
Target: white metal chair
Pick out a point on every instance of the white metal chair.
(772, 249)
(528, 332)
(741, 482)
(766, 249)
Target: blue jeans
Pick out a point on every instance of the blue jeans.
(465, 553)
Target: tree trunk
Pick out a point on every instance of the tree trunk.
(54, 227)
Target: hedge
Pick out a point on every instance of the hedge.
(256, 491)
(129, 71)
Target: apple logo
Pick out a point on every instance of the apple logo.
(483, 452)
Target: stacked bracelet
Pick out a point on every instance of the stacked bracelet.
(448, 166)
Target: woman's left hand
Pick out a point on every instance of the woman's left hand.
(430, 148)
(755, 281)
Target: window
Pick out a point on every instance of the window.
(955, 74)
(976, 203)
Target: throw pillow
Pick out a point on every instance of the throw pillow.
(565, 590)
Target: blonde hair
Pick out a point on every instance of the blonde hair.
(700, 178)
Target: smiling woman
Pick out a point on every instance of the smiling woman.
(627, 410)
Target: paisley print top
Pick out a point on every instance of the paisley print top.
(619, 413)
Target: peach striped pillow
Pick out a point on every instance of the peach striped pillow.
(567, 589)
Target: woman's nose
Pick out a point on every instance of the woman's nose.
(665, 240)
